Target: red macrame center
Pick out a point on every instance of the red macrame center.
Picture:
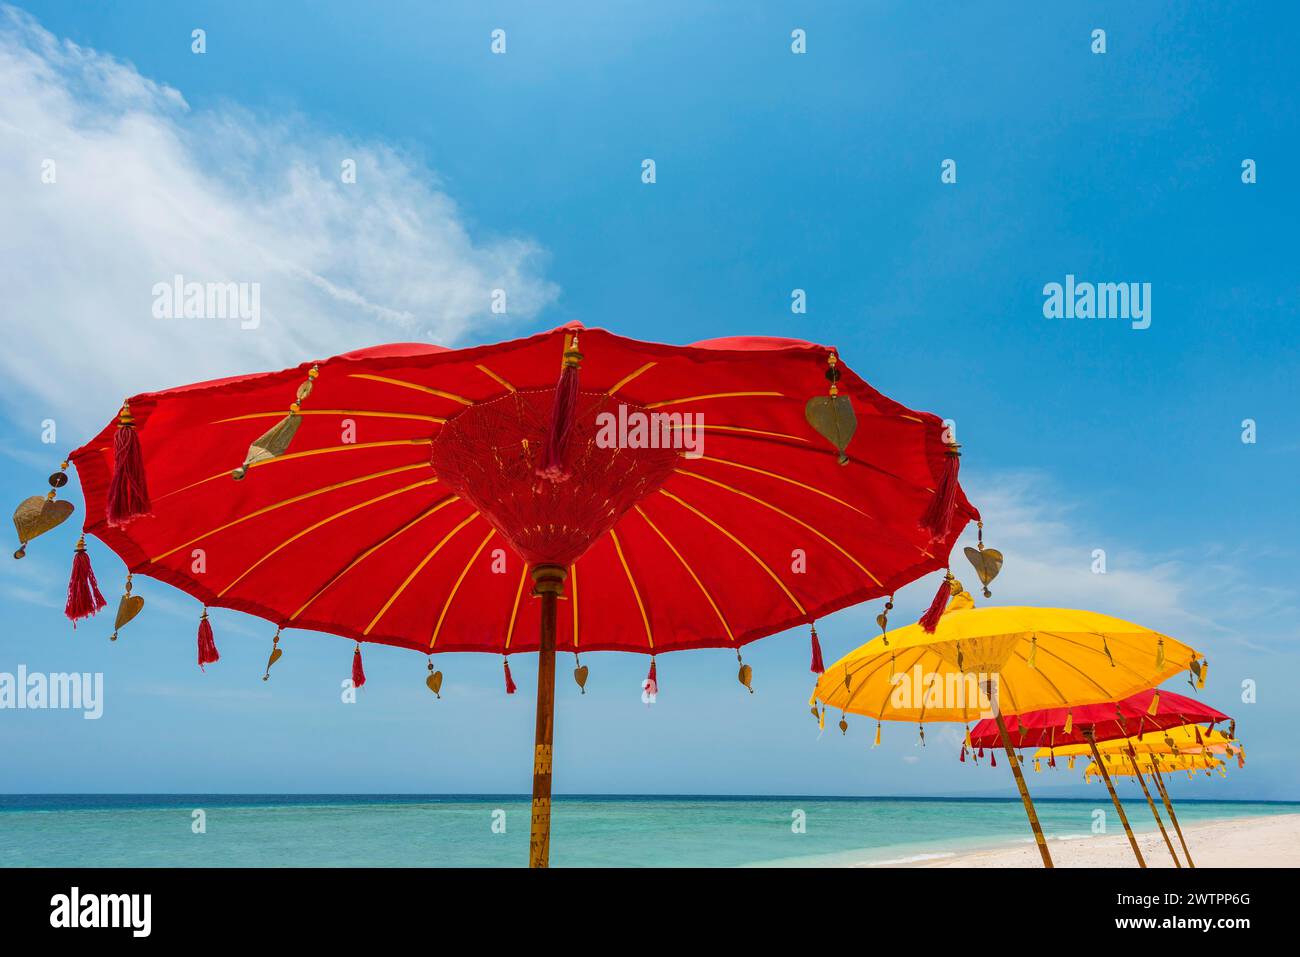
(489, 454)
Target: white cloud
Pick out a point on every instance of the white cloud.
(1196, 591)
(148, 188)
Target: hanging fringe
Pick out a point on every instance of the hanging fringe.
(358, 672)
(84, 598)
(817, 667)
(128, 489)
(937, 517)
(510, 682)
(563, 412)
(930, 620)
(207, 644)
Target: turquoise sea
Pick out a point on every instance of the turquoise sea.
(268, 830)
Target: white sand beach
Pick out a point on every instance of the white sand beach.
(1272, 841)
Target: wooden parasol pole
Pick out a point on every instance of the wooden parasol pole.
(1164, 794)
(1137, 772)
(1105, 776)
(548, 584)
(1024, 792)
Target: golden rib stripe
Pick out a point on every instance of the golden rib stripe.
(289, 456)
(748, 551)
(514, 609)
(715, 395)
(456, 587)
(754, 498)
(492, 375)
(418, 568)
(367, 413)
(630, 376)
(737, 428)
(402, 383)
(290, 501)
(636, 593)
(324, 521)
(374, 548)
(786, 479)
(690, 571)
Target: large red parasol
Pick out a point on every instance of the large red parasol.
(417, 496)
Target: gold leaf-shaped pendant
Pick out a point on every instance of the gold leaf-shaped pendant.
(987, 565)
(580, 676)
(745, 676)
(36, 516)
(275, 656)
(127, 608)
(434, 681)
(833, 418)
(275, 441)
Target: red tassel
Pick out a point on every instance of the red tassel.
(651, 685)
(963, 754)
(84, 598)
(128, 490)
(817, 666)
(993, 759)
(510, 682)
(930, 620)
(563, 412)
(937, 517)
(207, 646)
(358, 672)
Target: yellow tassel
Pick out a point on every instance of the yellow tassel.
(821, 720)
(968, 744)
(1160, 653)
(1200, 679)
(1038, 765)
(877, 741)
(1155, 705)
(1070, 766)
(1033, 651)
(891, 669)
(1069, 721)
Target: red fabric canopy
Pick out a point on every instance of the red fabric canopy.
(352, 532)
(1121, 719)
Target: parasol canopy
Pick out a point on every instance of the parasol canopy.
(1148, 763)
(1055, 728)
(1185, 739)
(411, 465)
(1053, 658)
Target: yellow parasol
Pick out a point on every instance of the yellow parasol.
(979, 661)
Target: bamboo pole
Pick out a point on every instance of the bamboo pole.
(1024, 792)
(1164, 794)
(1137, 772)
(548, 584)
(1105, 776)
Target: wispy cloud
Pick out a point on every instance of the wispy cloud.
(146, 188)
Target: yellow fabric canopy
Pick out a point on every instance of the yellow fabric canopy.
(1188, 739)
(1041, 657)
(1121, 765)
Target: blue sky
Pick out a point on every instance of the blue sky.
(775, 171)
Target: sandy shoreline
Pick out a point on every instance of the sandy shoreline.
(1270, 841)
